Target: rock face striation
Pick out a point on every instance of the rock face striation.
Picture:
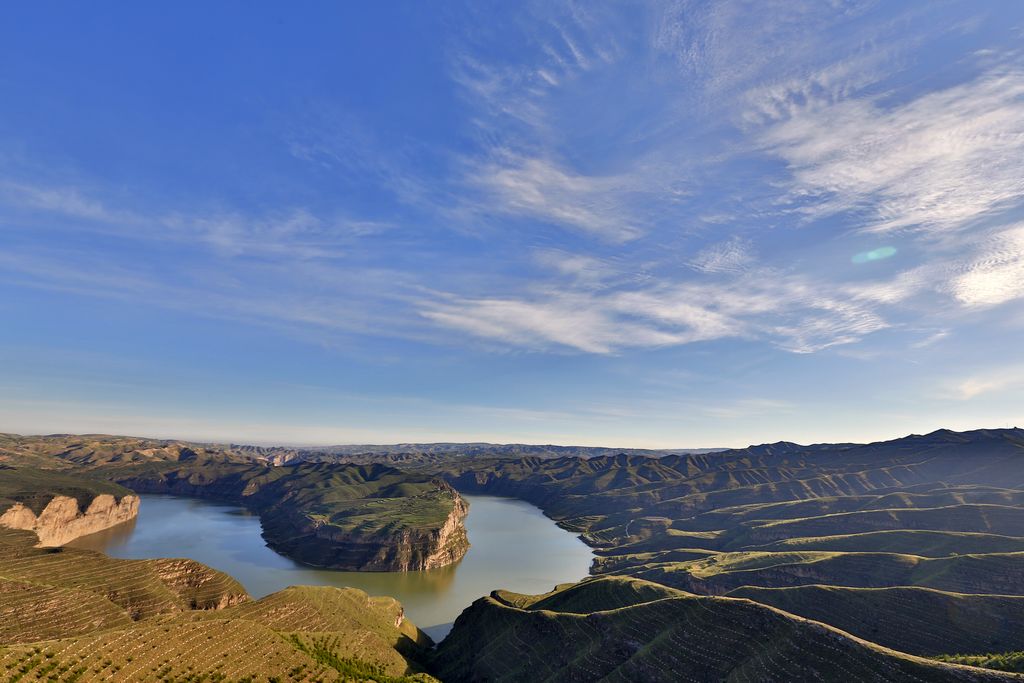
(320, 544)
(63, 520)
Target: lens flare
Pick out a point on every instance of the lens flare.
(874, 255)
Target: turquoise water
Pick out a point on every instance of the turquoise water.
(513, 546)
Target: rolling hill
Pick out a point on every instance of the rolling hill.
(358, 517)
(833, 532)
(76, 615)
(891, 561)
(625, 632)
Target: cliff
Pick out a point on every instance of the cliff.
(353, 517)
(63, 520)
(61, 506)
(320, 544)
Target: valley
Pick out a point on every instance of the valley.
(893, 561)
(511, 545)
(342, 516)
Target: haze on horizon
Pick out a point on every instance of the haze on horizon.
(656, 224)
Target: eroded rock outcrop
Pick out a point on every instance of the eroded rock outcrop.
(409, 549)
(318, 543)
(63, 520)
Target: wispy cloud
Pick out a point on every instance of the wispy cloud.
(538, 188)
(570, 321)
(936, 163)
(996, 274)
(595, 157)
(294, 233)
(67, 201)
(989, 382)
(931, 339)
(580, 268)
(786, 310)
(749, 407)
(977, 270)
(732, 256)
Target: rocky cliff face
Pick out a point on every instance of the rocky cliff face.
(450, 542)
(351, 517)
(62, 520)
(324, 545)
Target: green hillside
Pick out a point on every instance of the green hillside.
(918, 621)
(924, 543)
(944, 511)
(1001, 573)
(683, 637)
(358, 517)
(779, 562)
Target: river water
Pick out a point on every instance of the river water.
(512, 546)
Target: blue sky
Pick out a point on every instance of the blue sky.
(631, 224)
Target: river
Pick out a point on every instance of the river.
(512, 546)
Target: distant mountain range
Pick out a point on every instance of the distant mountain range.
(446, 450)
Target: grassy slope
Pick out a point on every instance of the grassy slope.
(995, 573)
(913, 542)
(943, 511)
(683, 637)
(1001, 661)
(889, 514)
(141, 588)
(181, 649)
(71, 614)
(915, 620)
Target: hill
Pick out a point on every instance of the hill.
(77, 615)
(59, 506)
(774, 562)
(943, 511)
(358, 517)
(420, 454)
(918, 621)
(653, 635)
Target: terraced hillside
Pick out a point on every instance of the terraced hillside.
(357, 517)
(615, 629)
(76, 615)
(918, 621)
(848, 535)
(876, 562)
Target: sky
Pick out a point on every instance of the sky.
(646, 224)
